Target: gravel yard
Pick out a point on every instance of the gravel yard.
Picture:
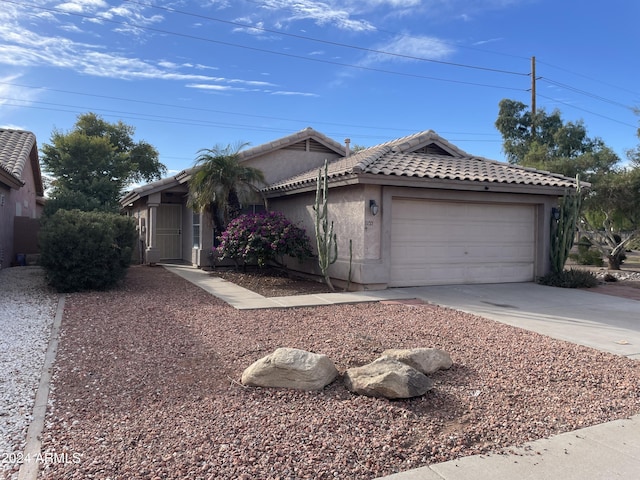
(146, 386)
(27, 310)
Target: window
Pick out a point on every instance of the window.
(196, 229)
(254, 208)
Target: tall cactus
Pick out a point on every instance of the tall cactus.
(564, 228)
(325, 237)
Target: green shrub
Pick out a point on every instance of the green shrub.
(86, 250)
(587, 257)
(571, 278)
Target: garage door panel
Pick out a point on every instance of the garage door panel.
(438, 243)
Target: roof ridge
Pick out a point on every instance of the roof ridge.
(378, 151)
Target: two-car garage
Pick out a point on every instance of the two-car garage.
(447, 243)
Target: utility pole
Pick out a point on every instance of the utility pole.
(533, 97)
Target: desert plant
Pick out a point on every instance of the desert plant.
(326, 240)
(262, 238)
(86, 250)
(564, 227)
(572, 278)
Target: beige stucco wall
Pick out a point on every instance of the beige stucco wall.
(283, 164)
(348, 209)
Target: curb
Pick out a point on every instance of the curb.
(29, 469)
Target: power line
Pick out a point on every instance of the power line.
(584, 92)
(588, 111)
(590, 78)
(191, 122)
(262, 50)
(207, 110)
(327, 42)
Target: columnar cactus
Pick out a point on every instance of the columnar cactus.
(563, 229)
(325, 237)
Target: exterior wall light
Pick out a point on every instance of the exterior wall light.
(555, 212)
(373, 206)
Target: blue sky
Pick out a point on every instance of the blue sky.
(191, 74)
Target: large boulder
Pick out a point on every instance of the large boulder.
(387, 377)
(425, 360)
(291, 368)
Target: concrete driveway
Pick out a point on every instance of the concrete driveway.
(608, 323)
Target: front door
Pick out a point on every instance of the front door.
(169, 232)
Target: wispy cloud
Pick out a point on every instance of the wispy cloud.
(484, 42)
(405, 48)
(338, 15)
(82, 6)
(300, 94)
(10, 94)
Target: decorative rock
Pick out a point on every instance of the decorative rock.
(425, 360)
(291, 368)
(386, 377)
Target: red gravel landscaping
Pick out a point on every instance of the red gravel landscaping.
(146, 386)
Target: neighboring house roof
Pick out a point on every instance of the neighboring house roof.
(426, 155)
(18, 149)
(150, 188)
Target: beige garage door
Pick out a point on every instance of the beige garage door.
(447, 243)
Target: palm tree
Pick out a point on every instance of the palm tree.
(219, 181)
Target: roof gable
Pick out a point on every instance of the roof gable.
(18, 148)
(304, 140)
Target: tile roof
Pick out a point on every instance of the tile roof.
(15, 153)
(15, 148)
(407, 157)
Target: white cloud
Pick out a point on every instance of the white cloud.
(199, 66)
(11, 93)
(207, 86)
(82, 6)
(301, 94)
(409, 48)
(320, 12)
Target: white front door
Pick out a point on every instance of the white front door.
(169, 232)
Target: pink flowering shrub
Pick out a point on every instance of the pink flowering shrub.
(263, 237)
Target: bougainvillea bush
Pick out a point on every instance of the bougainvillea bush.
(261, 238)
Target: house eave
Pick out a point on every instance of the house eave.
(421, 182)
(10, 180)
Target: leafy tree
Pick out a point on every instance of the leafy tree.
(221, 183)
(613, 221)
(96, 160)
(551, 143)
(611, 205)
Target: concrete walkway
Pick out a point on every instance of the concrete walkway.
(611, 324)
(243, 299)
